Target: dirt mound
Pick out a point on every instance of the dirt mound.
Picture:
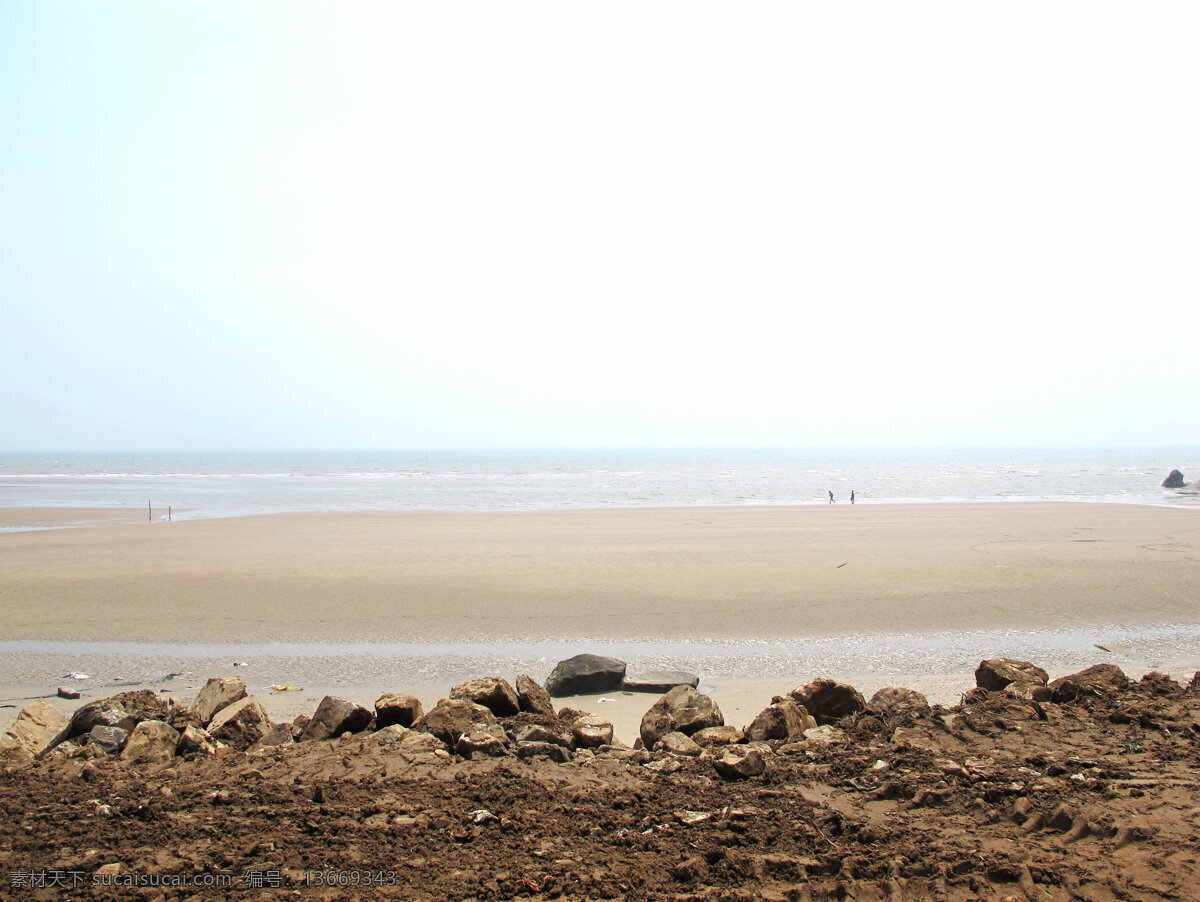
(1001, 798)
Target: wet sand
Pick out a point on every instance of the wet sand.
(704, 573)
(753, 600)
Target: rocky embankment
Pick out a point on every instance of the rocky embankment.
(1085, 787)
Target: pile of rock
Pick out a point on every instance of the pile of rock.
(490, 717)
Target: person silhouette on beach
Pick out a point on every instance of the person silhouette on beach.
(831, 497)
(852, 496)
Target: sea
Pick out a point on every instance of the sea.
(210, 484)
(223, 484)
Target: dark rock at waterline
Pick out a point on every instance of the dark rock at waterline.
(1174, 480)
(585, 675)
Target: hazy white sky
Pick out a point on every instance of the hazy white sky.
(302, 225)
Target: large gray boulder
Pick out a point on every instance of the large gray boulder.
(335, 716)
(494, 693)
(1174, 480)
(828, 701)
(585, 675)
(682, 710)
(218, 693)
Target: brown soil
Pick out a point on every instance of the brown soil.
(1001, 798)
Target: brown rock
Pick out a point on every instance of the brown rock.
(108, 739)
(678, 744)
(218, 693)
(151, 742)
(682, 710)
(335, 716)
(64, 692)
(241, 724)
(711, 736)
(783, 719)
(480, 742)
(451, 718)
(538, 733)
(37, 727)
(495, 694)
(1001, 673)
(740, 762)
(591, 731)
(1098, 680)
(828, 701)
(899, 702)
(532, 697)
(397, 708)
(100, 713)
(196, 741)
(280, 734)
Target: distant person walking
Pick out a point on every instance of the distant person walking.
(852, 496)
(831, 497)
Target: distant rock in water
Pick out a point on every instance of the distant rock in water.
(1174, 480)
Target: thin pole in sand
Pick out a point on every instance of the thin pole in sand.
(149, 513)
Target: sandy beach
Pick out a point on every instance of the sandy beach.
(748, 598)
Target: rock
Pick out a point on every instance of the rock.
(64, 692)
(543, 750)
(740, 762)
(453, 717)
(196, 741)
(335, 716)
(828, 701)
(591, 731)
(916, 739)
(241, 724)
(899, 702)
(397, 708)
(480, 742)
(495, 694)
(108, 739)
(682, 710)
(218, 693)
(783, 719)
(100, 713)
(1100, 679)
(585, 675)
(1003, 673)
(532, 697)
(678, 744)
(37, 727)
(711, 736)
(151, 742)
(826, 734)
(538, 733)
(1174, 480)
(280, 734)
(659, 681)
(142, 704)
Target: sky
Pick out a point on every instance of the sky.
(292, 225)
